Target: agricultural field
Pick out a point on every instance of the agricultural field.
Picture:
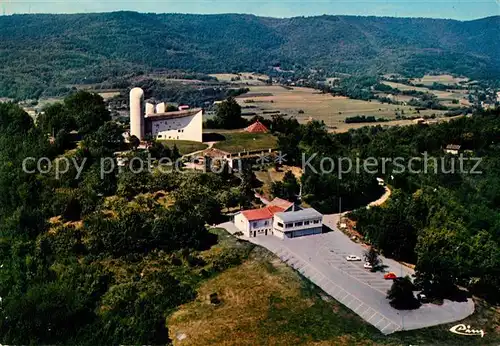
(243, 141)
(442, 79)
(241, 78)
(108, 94)
(443, 95)
(307, 104)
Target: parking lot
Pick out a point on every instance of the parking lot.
(321, 258)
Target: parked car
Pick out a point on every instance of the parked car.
(368, 265)
(352, 258)
(422, 298)
(390, 276)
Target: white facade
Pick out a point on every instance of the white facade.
(137, 113)
(297, 224)
(253, 228)
(161, 108)
(189, 127)
(150, 109)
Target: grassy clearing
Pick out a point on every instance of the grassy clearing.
(264, 302)
(185, 147)
(243, 141)
(306, 104)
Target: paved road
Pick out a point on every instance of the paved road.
(321, 258)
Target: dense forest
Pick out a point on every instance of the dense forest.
(92, 259)
(50, 53)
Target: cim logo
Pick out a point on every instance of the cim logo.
(462, 329)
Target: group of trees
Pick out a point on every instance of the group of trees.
(92, 259)
(445, 223)
(228, 116)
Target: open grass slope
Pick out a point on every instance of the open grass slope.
(264, 302)
(243, 141)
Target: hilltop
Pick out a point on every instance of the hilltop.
(43, 53)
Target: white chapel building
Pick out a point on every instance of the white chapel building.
(148, 119)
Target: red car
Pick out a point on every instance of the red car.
(390, 276)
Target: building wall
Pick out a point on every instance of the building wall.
(260, 227)
(137, 113)
(186, 128)
(249, 227)
(306, 224)
(241, 223)
(308, 227)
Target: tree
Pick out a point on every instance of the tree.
(401, 295)
(88, 110)
(158, 150)
(175, 153)
(371, 256)
(229, 114)
(287, 189)
(56, 117)
(134, 142)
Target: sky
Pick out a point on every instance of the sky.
(455, 9)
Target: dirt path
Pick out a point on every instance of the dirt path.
(382, 199)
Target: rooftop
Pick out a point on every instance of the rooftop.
(261, 214)
(282, 203)
(304, 214)
(214, 153)
(173, 115)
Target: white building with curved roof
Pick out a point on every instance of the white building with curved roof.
(148, 120)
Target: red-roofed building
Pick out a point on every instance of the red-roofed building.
(257, 127)
(255, 222)
(284, 204)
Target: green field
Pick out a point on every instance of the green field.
(185, 147)
(243, 141)
(306, 104)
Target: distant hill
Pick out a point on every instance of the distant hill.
(40, 52)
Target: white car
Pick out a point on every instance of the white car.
(352, 258)
(368, 265)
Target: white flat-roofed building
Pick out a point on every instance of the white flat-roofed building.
(296, 224)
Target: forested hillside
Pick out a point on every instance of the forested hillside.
(44, 53)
